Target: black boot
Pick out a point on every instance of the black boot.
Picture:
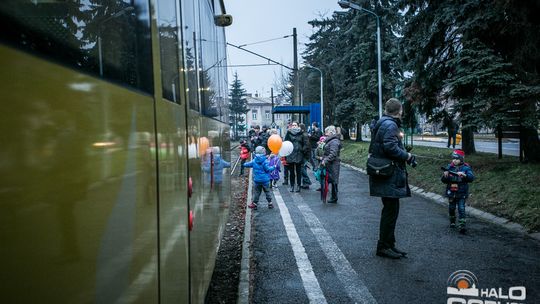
(388, 253)
(461, 226)
(452, 222)
(398, 251)
(333, 199)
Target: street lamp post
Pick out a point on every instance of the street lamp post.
(348, 4)
(322, 100)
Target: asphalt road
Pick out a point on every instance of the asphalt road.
(305, 251)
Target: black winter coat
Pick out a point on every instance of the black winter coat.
(386, 143)
(314, 137)
(331, 158)
(300, 146)
(264, 136)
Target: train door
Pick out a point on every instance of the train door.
(172, 158)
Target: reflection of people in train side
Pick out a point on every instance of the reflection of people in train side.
(63, 176)
(193, 158)
(214, 166)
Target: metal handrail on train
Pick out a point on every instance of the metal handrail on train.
(237, 161)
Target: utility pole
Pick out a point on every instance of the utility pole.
(295, 67)
(272, 98)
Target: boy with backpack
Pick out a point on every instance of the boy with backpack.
(261, 177)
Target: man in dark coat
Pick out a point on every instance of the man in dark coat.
(453, 128)
(295, 160)
(314, 137)
(306, 182)
(263, 136)
(255, 137)
(387, 143)
(331, 160)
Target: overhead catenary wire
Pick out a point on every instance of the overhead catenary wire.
(253, 53)
(263, 41)
(248, 65)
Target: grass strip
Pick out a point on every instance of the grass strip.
(503, 187)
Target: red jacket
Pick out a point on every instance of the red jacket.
(244, 152)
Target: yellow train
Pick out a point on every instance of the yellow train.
(113, 149)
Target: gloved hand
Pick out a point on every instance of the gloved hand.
(412, 161)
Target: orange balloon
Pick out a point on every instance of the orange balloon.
(203, 145)
(274, 143)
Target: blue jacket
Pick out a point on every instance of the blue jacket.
(462, 182)
(219, 165)
(261, 169)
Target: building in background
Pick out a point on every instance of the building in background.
(260, 112)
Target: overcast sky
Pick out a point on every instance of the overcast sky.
(258, 20)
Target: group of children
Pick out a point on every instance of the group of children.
(266, 172)
(266, 169)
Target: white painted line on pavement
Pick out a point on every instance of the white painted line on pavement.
(352, 283)
(311, 285)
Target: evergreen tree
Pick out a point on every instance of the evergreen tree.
(345, 48)
(479, 56)
(237, 106)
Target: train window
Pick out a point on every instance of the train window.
(209, 62)
(222, 85)
(223, 97)
(189, 36)
(110, 40)
(168, 42)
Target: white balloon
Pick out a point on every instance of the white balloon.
(286, 148)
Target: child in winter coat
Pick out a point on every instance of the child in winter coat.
(244, 155)
(319, 154)
(261, 177)
(274, 161)
(457, 176)
(319, 151)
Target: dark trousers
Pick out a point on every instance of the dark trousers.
(334, 191)
(286, 172)
(452, 139)
(295, 172)
(460, 202)
(257, 193)
(389, 216)
(242, 166)
(305, 177)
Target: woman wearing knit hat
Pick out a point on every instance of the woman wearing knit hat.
(457, 176)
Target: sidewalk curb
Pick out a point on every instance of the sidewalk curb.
(488, 217)
(243, 284)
